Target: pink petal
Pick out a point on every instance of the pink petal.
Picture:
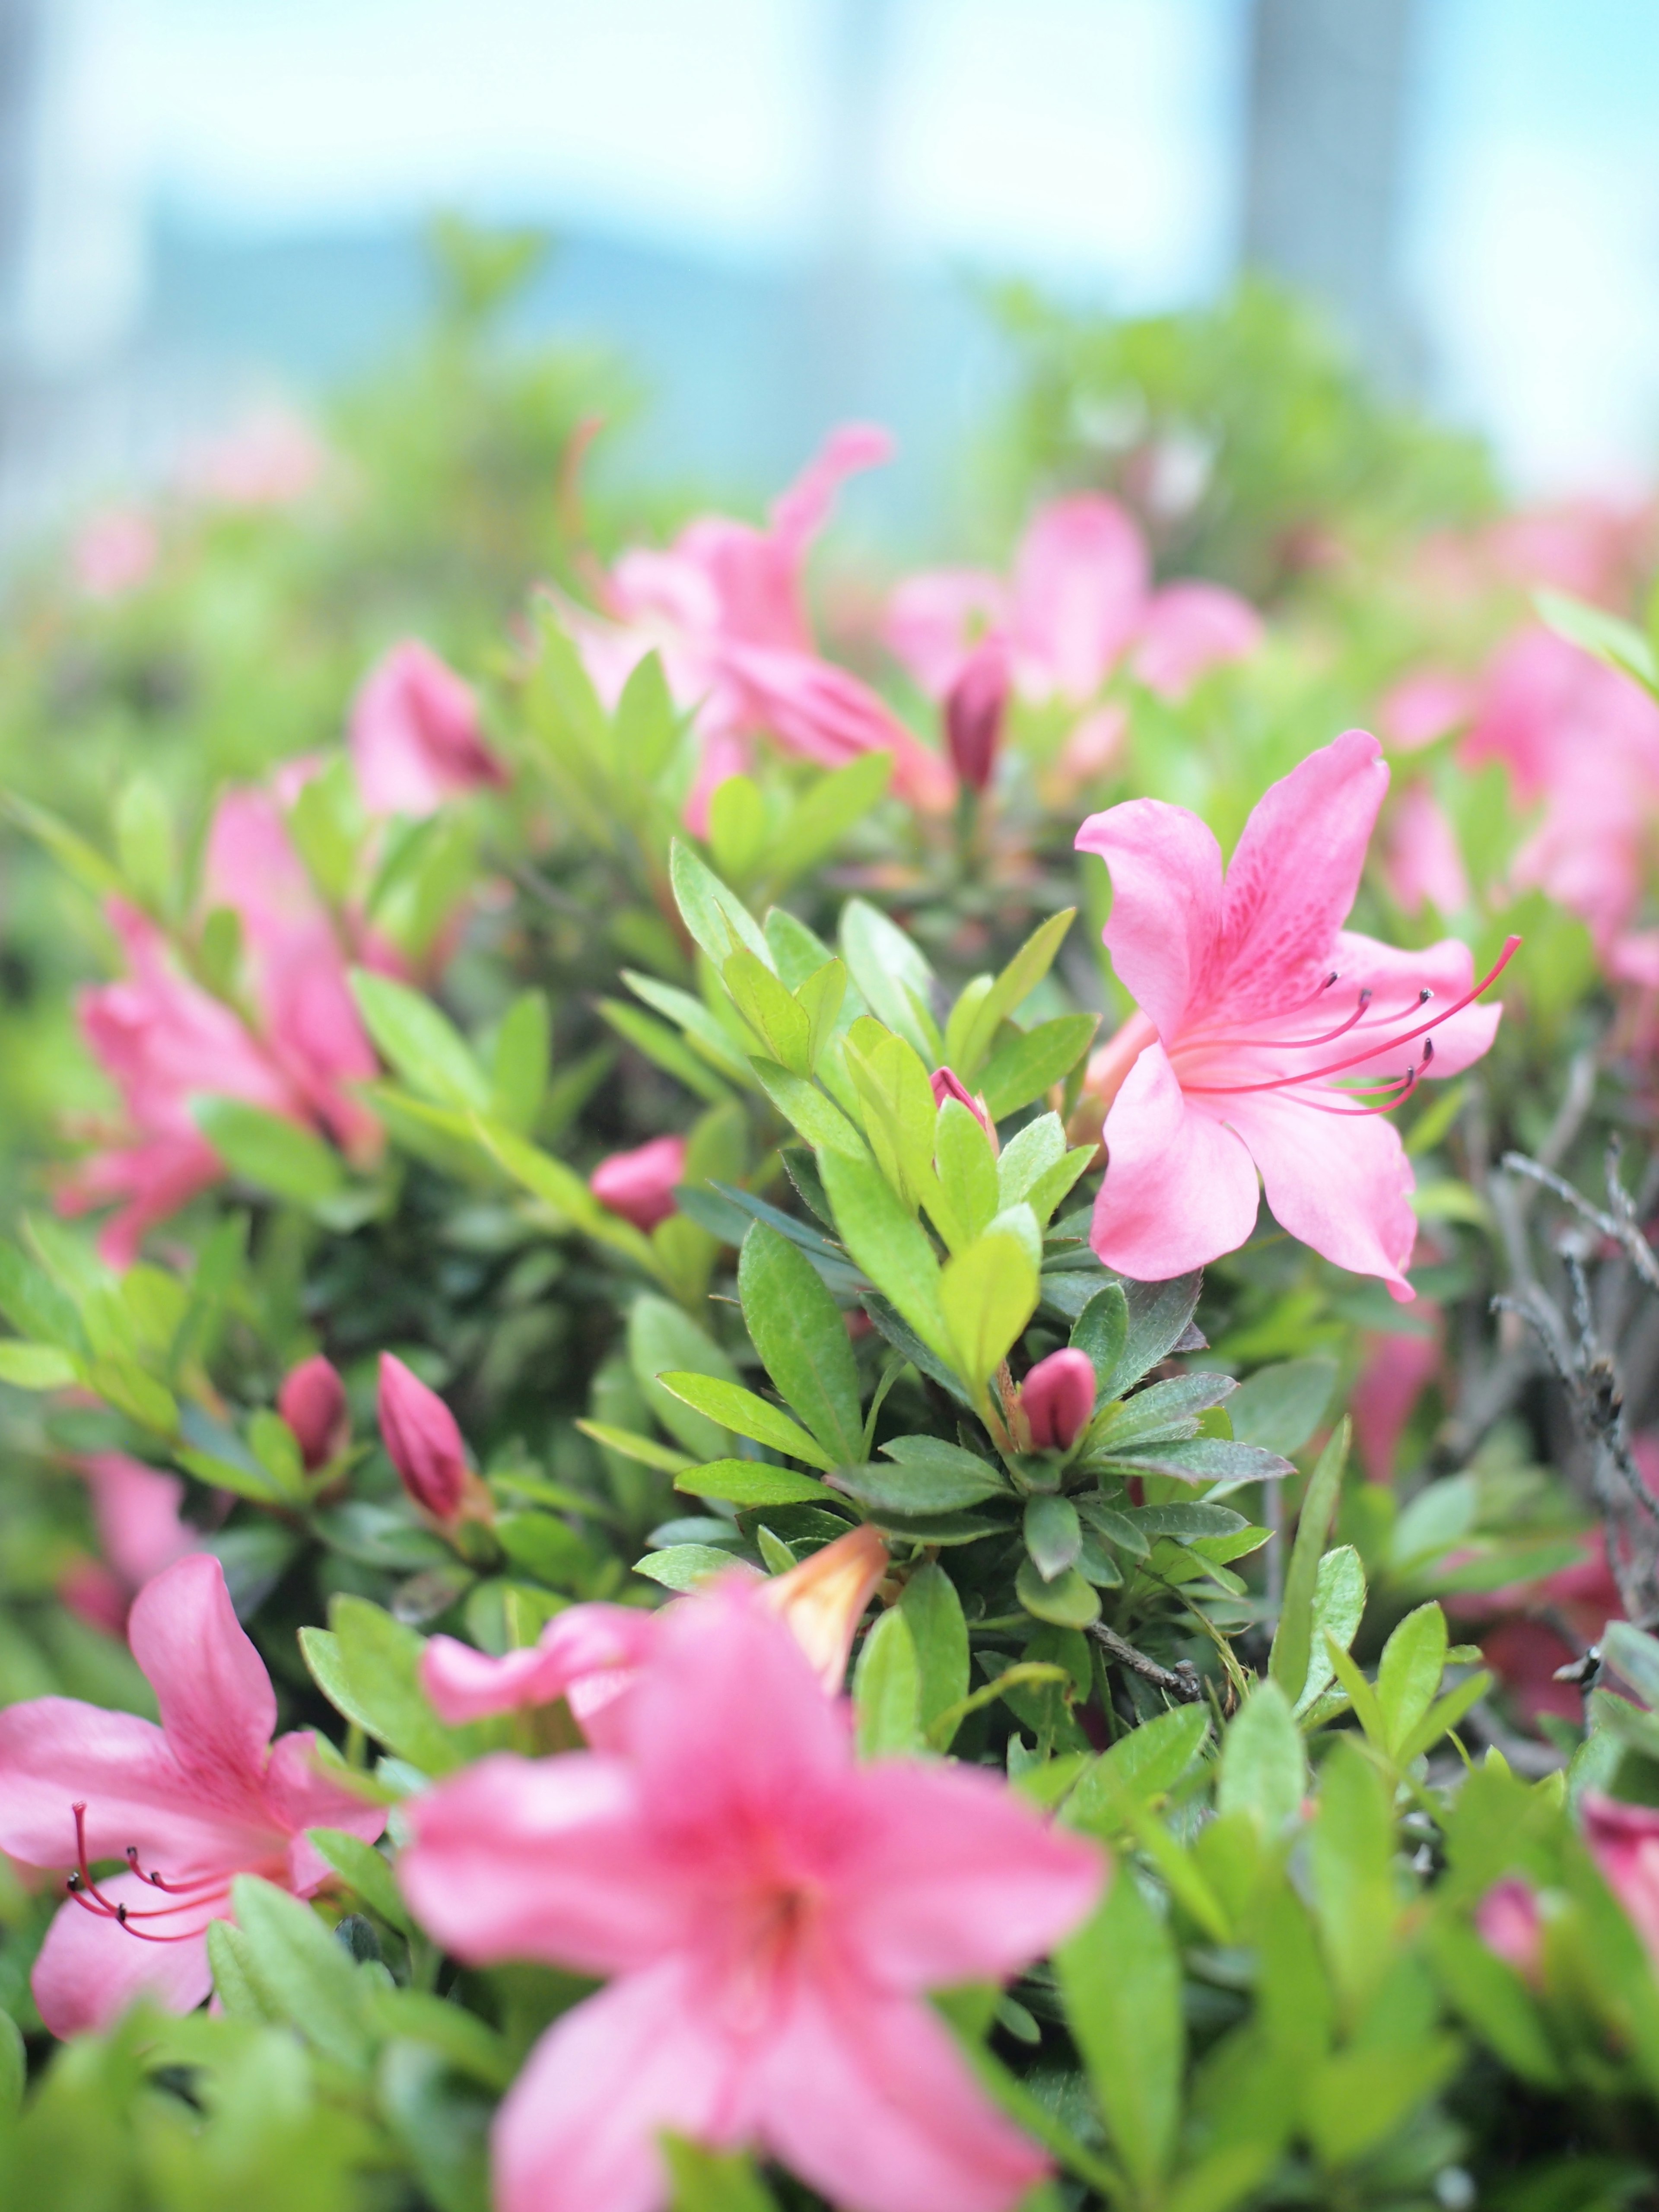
(91, 1968)
(1396, 977)
(1080, 584)
(866, 2098)
(136, 1510)
(1396, 1372)
(821, 713)
(415, 738)
(1340, 1182)
(801, 510)
(1421, 861)
(934, 621)
(1180, 1189)
(56, 1753)
(218, 1709)
(949, 1878)
(582, 1643)
(1423, 707)
(578, 2130)
(1293, 877)
(1166, 901)
(548, 1859)
(299, 1795)
(1188, 629)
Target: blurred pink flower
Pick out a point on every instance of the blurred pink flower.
(191, 1804)
(976, 709)
(1421, 862)
(1396, 1371)
(115, 552)
(1507, 1922)
(272, 459)
(771, 1912)
(1623, 1841)
(1422, 707)
(415, 738)
(1057, 1399)
(313, 1401)
(1080, 597)
(725, 608)
(640, 1185)
(135, 1509)
(1249, 1051)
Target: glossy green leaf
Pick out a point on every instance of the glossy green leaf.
(986, 1295)
(1034, 1062)
(800, 1332)
(887, 1688)
(752, 1482)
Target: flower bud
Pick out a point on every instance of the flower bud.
(821, 1601)
(1057, 1398)
(423, 1443)
(313, 1401)
(948, 1084)
(640, 1185)
(976, 709)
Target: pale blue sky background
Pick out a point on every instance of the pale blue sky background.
(1091, 143)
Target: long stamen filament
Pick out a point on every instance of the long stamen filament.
(85, 1891)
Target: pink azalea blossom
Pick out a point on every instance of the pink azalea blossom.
(1422, 864)
(1422, 707)
(1079, 600)
(416, 738)
(189, 1805)
(640, 1185)
(1057, 1399)
(135, 1509)
(1508, 1922)
(1268, 1038)
(770, 1912)
(115, 552)
(1623, 1841)
(725, 608)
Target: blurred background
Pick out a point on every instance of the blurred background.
(779, 212)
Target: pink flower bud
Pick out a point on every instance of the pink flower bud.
(976, 709)
(313, 1401)
(947, 1084)
(1507, 1921)
(1057, 1398)
(640, 1185)
(425, 1443)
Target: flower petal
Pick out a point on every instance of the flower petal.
(587, 1640)
(55, 1753)
(1188, 627)
(218, 1708)
(1339, 1180)
(1397, 979)
(866, 2098)
(950, 1877)
(91, 1968)
(548, 1859)
(300, 1795)
(578, 2130)
(1294, 876)
(1180, 1189)
(934, 621)
(1079, 588)
(1166, 901)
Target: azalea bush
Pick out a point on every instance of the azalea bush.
(833, 1385)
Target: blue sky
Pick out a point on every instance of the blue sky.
(1092, 142)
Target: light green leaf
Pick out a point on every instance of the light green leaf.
(716, 917)
(1339, 1608)
(301, 1972)
(683, 1566)
(804, 1107)
(1279, 1407)
(1068, 1602)
(36, 1366)
(940, 1632)
(798, 1332)
(892, 974)
(1119, 1979)
(1408, 1675)
(661, 1337)
(1293, 1644)
(986, 1295)
(823, 814)
(1102, 1330)
(367, 1872)
(666, 1048)
(1264, 1769)
(968, 1168)
(891, 1250)
(562, 1189)
(523, 1055)
(887, 1689)
(1620, 643)
(264, 1148)
(745, 1414)
(420, 1041)
(752, 1482)
(1031, 1063)
(1011, 987)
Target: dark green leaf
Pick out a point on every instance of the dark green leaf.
(801, 1337)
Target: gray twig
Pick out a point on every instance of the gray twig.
(1182, 1681)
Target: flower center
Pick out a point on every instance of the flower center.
(192, 1895)
(1372, 1028)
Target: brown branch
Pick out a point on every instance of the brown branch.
(1182, 1681)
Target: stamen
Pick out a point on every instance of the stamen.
(87, 1894)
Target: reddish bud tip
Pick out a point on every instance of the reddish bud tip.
(640, 1185)
(976, 709)
(948, 1084)
(1057, 1398)
(421, 1436)
(313, 1401)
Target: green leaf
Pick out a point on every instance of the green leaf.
(1620, 643)
(645, 728)
(1443, 1716)
(770, 1011)
(77, 858)
(712, 2181)
(645, 1450)
(1408, 1675)
(704, 1029)
(928, 1476)
(889, 1248)
(967, 1168)
(1143, 1765)
(887, 1689)
(1495, 2002)
(821, 999)
(824, 812)
(663, 1338)
(896, 1106)
(14, 2067)
(1338, 1607)
(666, 1048)
(683, 1566)
(938, 1631)
(798, 1330)
(1264, 1769)
(230, 1960)
(1158, 1317)
(145, 843)
(366, 1665)
(716, 917)
(987, 1293)
(1279, 1407)
(301, 1972)
(1120, 1979)
(1054, 1535)
(1351, 1848)
(892, 975)
(745, 1415)
(737, 826)
(1034, 1062)
(270, 1152)
(420, 1041)
(752, 1482)
(367, 1872)
(1068, 1602)
(1292, 1647)
(35, 1305)
(1011, 989)
(804, 1107)
(36, 1366)
(544, 1547)
(562, 1188)
(519, 1068)
(1102, 1330)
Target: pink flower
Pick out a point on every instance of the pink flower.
(1257, 1011)
(770, 1912)
(725, 608)
(191, 1805)
(313, 1401)
(272, 459)
(1422, 707)
(947, 1083)
(1057, 1399)
(1397, 1370)
(135, 1509)
(1079, 600)
(1421, 862)
(976, 709)
(415, 738)
(424, 1444)
(1507, 1922)
(115, 552)
(1623, 1841)
(640, 1185)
